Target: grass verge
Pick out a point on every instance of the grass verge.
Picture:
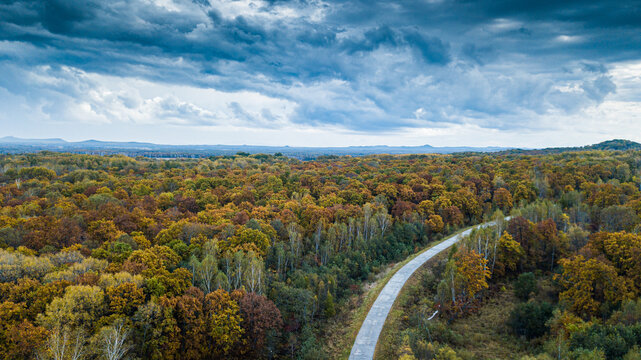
(342, 330)
(389, 342)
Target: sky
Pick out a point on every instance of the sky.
(531, 73)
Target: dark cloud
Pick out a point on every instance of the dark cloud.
(432, 49)
(60, 16)
(372, 40)
(455, 60)
(598, 88)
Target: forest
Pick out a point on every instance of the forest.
(251, 256)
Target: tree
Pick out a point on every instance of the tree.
(452, 215)
(474, 271)
(114, 345)
(510, 255)
(623, 250)
(406, 350)
(261, 318)
(618, 218)
(465, 274)
(503, 199)
(402, 208)
(223, 321)
(247, 236)
(590, 283)
(434, 223)
(446, 353)
(525, 285)
(524, 192)
(125, 298)
(629, 314)
(21, 340)
(156, 332)
(524, 232)
(152, 261)
(577, 237)
(328, 305)
(205, 271)
(529, 319)
(18, 336)
(103, 231)
(80, 307)
(296, 305)
(614, 341)
(36, 172)
(553, 246)
(254, 273)
(562, 324)
(190, 317)
(63, 345)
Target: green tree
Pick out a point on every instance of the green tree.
(525, 285)
(529, 319)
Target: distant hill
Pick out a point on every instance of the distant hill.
(610, 145)
(15, 140)
(616, 144)
(11, 144)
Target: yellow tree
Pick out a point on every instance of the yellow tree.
(223, 320)
(247, 236)
(435, 223)
(79, 307)
(502, 199)
(125, 298)
(562, 325)
(590, 283)
(472, 267)
(510, 254)
(623, 250)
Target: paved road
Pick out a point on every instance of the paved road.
(367, 337)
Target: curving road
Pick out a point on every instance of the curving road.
(367, 337)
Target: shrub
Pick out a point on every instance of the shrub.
(615, 341)
(524, 285)
(529, 319)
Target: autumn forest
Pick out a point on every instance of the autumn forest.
(264, 256)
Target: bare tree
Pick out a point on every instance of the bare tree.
(317, 237)
(383, 220)
(115, 345)
(254, 274)
(59, 346)
(206, 272)
(367, 216)
(238, 266)
(56, 345)
(499, 227)
(295, 238)
(77, 347)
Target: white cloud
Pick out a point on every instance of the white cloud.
(294, 72)
(503, 24)
(313, 11)
(452, 106)
(73, 95)
(569, 38)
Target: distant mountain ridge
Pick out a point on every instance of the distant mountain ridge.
(11, 144)
(616, 144)
(610, 145)
(15, 140)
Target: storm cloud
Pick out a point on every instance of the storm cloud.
(360, 67)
